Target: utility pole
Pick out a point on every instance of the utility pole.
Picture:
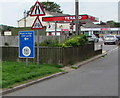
(76, 16)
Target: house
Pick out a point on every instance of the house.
(29, 20)
(58, 23)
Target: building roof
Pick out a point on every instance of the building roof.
(103, 25)
(91, 25)
(49, 13)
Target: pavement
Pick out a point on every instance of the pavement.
(65, 70)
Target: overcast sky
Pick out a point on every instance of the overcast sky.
(12, 10)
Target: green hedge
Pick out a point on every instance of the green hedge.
(75, 40)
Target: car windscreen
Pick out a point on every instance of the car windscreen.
(118, 36)
(110, 36)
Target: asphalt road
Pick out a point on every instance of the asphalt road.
(104, 47)
(97, 78)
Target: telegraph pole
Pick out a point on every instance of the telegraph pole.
(76, 16)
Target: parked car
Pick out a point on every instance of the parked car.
(118, 37)
(93, 38)
(110, 39)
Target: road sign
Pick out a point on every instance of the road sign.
(37, 10)
(37, 24)
(26, 44)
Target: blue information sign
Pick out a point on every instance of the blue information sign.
(26, 44)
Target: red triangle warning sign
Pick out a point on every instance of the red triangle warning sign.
(37, 24)
(37, 10)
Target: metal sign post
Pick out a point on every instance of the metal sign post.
(37, 11)
(38, 47)
(25, 26)
(37, 25)
(26, 61)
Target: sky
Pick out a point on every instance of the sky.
(12, 10)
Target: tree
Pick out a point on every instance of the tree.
(5, 28)
(112, 23)
(49, 6)
(117, 24)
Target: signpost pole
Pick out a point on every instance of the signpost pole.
(37, 11)
(25, 26)
(26, 61)
(38, 47)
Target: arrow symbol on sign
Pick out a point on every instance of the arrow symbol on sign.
(26, 38)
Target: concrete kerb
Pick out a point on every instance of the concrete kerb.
(30, 83)
(51, 76)
(89, 60)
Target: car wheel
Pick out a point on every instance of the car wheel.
(105, 43)
(97, 40)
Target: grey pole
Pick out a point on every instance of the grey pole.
(55, 28)
(25, 18)
(38, 48)
(76, 16)
(25, 26)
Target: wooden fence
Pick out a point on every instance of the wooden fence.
(54, 55)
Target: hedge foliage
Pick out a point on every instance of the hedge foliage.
(74, 41)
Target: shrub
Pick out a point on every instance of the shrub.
(76, 40)
(50, 43)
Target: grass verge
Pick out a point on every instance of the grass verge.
(16, 72)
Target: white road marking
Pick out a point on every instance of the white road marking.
(113, 50)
